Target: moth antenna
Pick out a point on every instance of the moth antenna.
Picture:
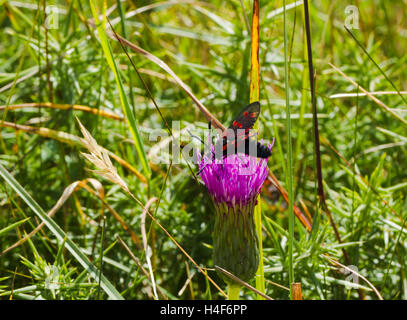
(196, 137)
(203, 142)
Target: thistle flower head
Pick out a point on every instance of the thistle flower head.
(234, 180)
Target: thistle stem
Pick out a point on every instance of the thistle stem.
(233, 292)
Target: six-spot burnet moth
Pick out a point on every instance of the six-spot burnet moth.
(238, 138)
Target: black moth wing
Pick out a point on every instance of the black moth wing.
(244, 121)
(247, 117)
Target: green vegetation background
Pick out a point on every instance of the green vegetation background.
(207, 44)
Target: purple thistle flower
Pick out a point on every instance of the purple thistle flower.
(234, 184)
(235, 180)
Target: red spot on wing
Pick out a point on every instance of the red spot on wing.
(253, 115)
(237, 124)
(245, 113)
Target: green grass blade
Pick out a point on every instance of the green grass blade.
(107, 50)
(12, 226)
(60, 235)
(289, 170)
